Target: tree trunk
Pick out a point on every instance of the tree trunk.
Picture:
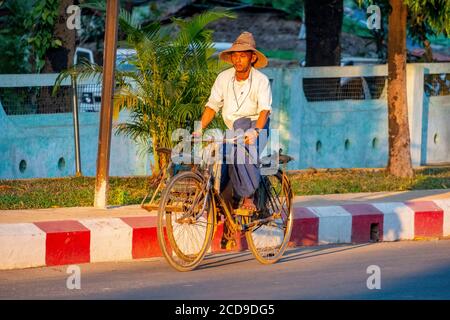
(323, 20)
(399, 163)
(58, 59)
(428, 54)
(129, 6)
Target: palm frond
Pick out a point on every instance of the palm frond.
(172, 80)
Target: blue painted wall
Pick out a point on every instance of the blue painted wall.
(354, 133)
(43, 140)
(45, 143)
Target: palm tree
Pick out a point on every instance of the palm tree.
(174, 72)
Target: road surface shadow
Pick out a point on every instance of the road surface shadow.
(291, 254)
(217, 260)
(299, 253)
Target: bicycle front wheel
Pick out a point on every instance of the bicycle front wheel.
(269, 240)
(185, 221)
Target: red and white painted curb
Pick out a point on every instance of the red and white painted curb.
(24, 245)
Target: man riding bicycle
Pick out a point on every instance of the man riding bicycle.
(244, 96)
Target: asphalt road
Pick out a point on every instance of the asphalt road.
(407, 270)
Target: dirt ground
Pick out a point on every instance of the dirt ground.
(271, 30)
(274, 31)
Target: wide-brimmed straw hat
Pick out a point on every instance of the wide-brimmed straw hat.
(245, 42)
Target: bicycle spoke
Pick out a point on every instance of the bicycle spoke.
(188, 219)
(269, 240)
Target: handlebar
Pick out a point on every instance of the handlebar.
(212, 139)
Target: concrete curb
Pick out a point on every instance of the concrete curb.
(50, 243)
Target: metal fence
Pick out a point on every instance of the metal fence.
(35, 100)
(337, 120)
(89, 97)
(332, 117)
(366, 88)
(437, 84)
(40, 100)
(18, 98)
(353, 88)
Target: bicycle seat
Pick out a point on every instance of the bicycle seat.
(167, 151)
(284, 158)
(175, 167)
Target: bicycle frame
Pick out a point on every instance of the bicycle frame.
(207, 174)
(217, 198)
(196, 199)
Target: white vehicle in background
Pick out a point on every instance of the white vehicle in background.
(90, 95)
(83, 54)
(221, 46)
(357, 87)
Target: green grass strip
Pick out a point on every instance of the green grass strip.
(79, 192)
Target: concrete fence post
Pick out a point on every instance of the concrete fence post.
(414, 91)
(295, 101)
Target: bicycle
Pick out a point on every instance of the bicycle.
(190, 208)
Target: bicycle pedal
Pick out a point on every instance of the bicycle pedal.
(276, 215)
(230, 245)
(227, 244)
(264, 214)
(244, 212)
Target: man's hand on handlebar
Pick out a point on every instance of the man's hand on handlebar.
(251, 136)
(197, 134)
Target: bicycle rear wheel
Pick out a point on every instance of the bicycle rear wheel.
(269, 240)
(185, 221)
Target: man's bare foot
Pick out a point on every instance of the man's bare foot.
(248, 204)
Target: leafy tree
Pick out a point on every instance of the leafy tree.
(34, 37)
(419, 24)
(294, 8)
(93, 30)
(426, 19)
(15, 51)
(379, 36)
(436, 14)
(174, 72)
(41, 23)
(60, 54)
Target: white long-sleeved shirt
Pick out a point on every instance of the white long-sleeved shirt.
(238, 99)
